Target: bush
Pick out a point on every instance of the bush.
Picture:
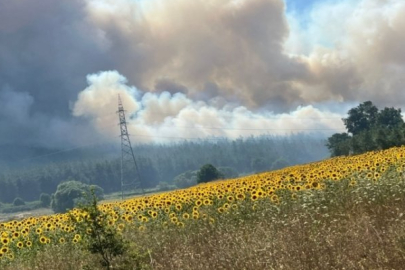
(29, 206)
(18, 202)
(100, 238)
(164, 186)
(68, 194)
(45, 199)
(186, 179)
(208, 173)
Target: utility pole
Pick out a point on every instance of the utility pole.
(130, 176)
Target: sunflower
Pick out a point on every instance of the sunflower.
(20, 244)
(179, 207)
(42, 240)
(5, 241)
(121, 226)
(10, 256)
(180, 224)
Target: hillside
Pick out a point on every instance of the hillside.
(344, 212)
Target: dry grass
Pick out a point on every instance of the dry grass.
(340, 228)
(352, 237)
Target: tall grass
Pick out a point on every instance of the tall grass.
(340, 227)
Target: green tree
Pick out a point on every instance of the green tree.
(371, 129)
(389, 118)
(361, 118)
(100, 238)
(339, 144)
(69, 193)
(208, 173)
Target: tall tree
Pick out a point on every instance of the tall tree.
(361, 118)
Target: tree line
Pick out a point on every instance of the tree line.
(162, 163)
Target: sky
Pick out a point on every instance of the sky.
(193, 69)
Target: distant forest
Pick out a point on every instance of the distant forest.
(160, 163)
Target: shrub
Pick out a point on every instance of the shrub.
(100, 238)
(186, 179)
(45, 199)
(68, 194)
(164, 186)
(18, 202)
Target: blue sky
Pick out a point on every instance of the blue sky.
(300, 5)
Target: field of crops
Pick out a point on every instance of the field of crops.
(202, 203)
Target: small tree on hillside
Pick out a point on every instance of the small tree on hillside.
(208, 173)
(68, 194)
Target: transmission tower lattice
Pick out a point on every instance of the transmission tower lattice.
(130, 176)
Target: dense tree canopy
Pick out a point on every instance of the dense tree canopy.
(162, 163)
(368, 129)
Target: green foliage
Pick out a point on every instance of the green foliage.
(69, 193)
(18, 202)
(361, 118)
(208, 173)
(186, 179)
(339, 144)
(45, 199)
(98, 237)
(370, 130)
(28, 206)
(164, 186)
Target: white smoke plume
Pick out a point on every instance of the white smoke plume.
(156, 117)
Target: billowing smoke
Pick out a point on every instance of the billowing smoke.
(159, 116)
(193, 68)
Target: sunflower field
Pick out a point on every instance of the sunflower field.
(204, 204)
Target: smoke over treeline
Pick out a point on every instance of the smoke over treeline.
(192, 68)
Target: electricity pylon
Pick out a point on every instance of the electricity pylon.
(130, 176)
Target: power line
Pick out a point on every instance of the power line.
(128, 162)
(258, 129)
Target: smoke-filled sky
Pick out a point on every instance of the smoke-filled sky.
(193, 68)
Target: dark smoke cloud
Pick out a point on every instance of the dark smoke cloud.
(188, 59)
(46, 49)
